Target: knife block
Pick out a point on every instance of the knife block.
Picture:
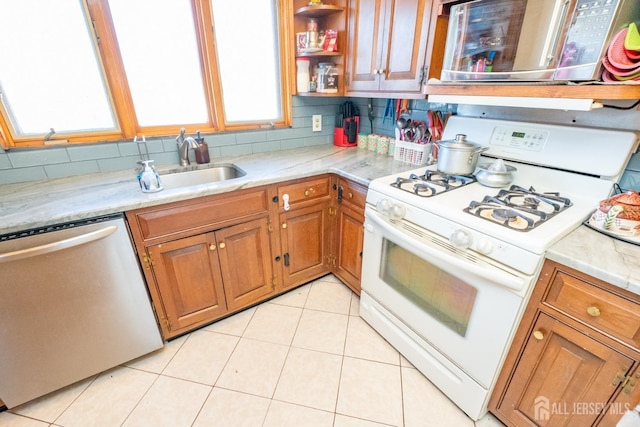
(341, 135)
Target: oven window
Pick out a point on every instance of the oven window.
(443, 296)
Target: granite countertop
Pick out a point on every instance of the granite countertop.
(41, 203)
(600, 256)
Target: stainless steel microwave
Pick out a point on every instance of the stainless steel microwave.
(534, 40)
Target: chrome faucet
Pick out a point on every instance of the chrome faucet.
(183, 147)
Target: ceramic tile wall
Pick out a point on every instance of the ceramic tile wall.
(38, 164)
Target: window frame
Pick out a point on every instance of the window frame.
(105, 40)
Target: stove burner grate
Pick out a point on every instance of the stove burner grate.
(432, 183)
(519, 208)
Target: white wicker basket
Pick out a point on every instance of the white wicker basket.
(410, 152)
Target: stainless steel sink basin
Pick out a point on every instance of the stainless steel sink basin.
(215, 173)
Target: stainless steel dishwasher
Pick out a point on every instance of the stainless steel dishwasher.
(73, 303)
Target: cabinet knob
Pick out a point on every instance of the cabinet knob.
(212, 247)
(593, 311)
(350, 195)
(284, 225)
(538, 335)
(222, 245)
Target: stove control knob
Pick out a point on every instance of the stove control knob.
(484, 246)
(384, 205)
(461, 238)
(397, 211)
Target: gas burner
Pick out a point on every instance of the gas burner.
(432, 183)
(519, 208)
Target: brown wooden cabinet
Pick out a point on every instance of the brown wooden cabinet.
(574, 360)
(208, 257)
(388, 45)
(205, 258)
(302, 209)
(346, 258)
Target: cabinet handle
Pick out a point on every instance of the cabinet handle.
(593, 311)
(222, 245)
(538, 335)
(286, 259)
(284, 225)
(212, 247)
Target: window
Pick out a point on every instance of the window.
(96, 70)
(50, 74)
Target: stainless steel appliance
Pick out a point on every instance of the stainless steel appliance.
(449, 264)
(72, 304)
(532, 39)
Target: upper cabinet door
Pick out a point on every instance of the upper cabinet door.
(387, 45)
(366, 30)
(405, 45)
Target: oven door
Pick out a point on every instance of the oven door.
(452, 307)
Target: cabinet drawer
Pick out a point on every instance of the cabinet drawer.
(353, 193)
(300, 192)
(223, 209)
(598, 308)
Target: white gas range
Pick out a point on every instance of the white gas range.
(447, 274)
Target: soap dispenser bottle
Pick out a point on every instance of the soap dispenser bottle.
(149, 178)
(202, 152)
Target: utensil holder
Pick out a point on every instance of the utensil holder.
(410, 152)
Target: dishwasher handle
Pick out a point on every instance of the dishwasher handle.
(59, 245)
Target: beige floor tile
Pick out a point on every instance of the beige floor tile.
(202, 357)
(283, 414)
(354, 310)
(7, 419)
(371, 391)
(294, 298)
(227, 408)
(440, 412)
(322, 331)
(169, 402)
(489, 420)
(405, 363)
(233, 325)
(274, 323)
(109, 399)
(49, 407)
(310, 378)
(365, 343)
(344, 421)
(329, 278)
(158, 360)
(329, 296)
(254, 367)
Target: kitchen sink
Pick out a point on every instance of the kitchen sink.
(215, 173)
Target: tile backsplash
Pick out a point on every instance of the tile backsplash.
(22, 165)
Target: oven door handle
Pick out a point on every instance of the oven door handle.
(496, 276)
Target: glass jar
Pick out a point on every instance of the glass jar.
(327, 77)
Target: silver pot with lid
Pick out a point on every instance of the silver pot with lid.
(459, 156)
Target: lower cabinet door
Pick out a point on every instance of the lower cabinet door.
(244, 252)
(349, 242)
(187, 273)
(304, 244)
(563, 377)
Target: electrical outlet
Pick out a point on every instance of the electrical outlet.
(316, 123)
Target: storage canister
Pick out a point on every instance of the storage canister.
(302, 78)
